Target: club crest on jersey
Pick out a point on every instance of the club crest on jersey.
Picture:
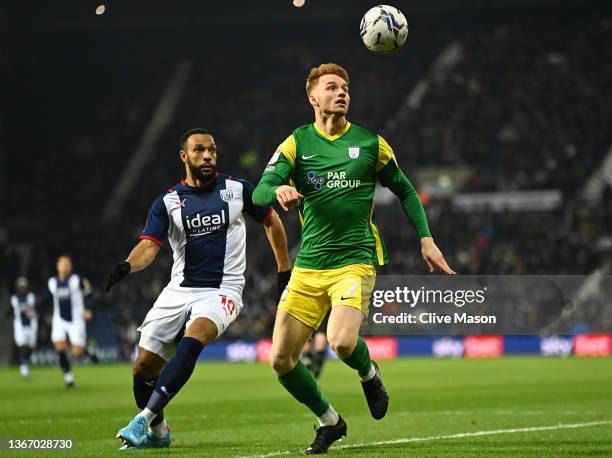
(227, 195)
(353, 152)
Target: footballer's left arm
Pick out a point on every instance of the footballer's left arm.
(87, 298)
(275, 231)
(392, 177)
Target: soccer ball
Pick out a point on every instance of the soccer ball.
(383, 29)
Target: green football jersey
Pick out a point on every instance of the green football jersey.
(337, 177)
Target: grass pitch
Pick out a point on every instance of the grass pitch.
(527, 406)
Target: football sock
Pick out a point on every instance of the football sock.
(317, 362)
(369, 376)
(329, 418)
(24, 355)
(175, 374)
(159, 428)
(68, 377)
(63, 362)
(360, 358)
(303, 387)
(148, 414)
(143, 389)
(308, 360)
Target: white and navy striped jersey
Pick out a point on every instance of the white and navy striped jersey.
(69, 297)
(21, 303)
(206, 231)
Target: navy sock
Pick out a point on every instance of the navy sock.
(64, 363)
(24, 355)
(176, 373)
(143, 389)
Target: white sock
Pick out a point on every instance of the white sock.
(68, 377)
(160, 430)
(24, 370)
(149, 415)
(329, 418)
(370, 375)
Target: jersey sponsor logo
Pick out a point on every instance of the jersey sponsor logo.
(205, 224)
(314, 180)
(353, 152)
(332, 181)
(339, 180)
(227, 195)
(305, 158)
(63, 292)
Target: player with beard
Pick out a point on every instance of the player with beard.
(203, 218)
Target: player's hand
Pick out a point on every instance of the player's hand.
(31, 312)
(117, 273)
(433, 256)
(88, 315)
(282, 280)
(288, 197)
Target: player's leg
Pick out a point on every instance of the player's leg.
(175, 374)
(319, 353)
(152, 358)
(21, 335)
(61, 347)
(77, 333)
(211, 314)
(307, 354)
(24, 361)
(59, 333)
(32, 340)
(302, 308)
(157, 346)
(350, 300)
(287, 342)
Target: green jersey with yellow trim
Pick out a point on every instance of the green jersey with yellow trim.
(337, 177)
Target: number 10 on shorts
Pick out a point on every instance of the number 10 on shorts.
(228, 305)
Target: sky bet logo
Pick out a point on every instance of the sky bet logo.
(200, 225)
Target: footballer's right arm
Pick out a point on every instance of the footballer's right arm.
(272, 187)
(142, 255)
(145, 251)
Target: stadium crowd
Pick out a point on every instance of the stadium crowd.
(526, 108)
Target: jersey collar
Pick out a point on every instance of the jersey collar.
(209, 187)
(332, 137)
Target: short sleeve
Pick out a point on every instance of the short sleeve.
(258, 212)
(385, 154)
(31, 300)
(288, 148)
(156, 228)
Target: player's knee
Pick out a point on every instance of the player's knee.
(281, 363)
(145, 369)
(342, 346)
(78, 352)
